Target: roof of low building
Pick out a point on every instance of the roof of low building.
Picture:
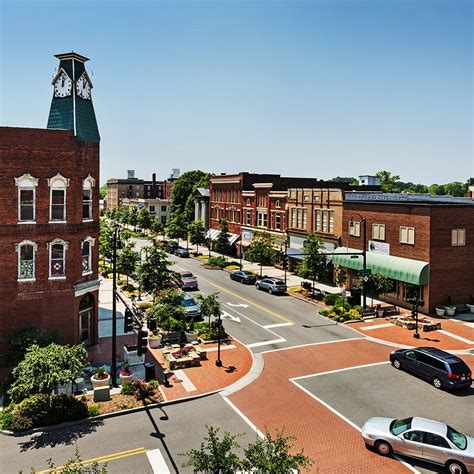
(406, 198)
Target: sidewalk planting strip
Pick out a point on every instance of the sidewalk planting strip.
(157, 462)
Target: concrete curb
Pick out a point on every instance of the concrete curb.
(255, 371)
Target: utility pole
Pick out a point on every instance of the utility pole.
(114, 311)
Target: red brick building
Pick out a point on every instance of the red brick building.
(422, 243)
(49, 215)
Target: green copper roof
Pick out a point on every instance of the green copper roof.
(415, 272)
(86, 124)
(60, 114)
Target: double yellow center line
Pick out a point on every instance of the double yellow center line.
(101, 459)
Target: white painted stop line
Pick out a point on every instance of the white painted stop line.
(157, 462)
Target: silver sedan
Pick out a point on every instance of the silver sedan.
(424, 439)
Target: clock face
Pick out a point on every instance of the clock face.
(83, 88)
(62, 86)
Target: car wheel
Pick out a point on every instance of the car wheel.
(437, 383)
(270, 291)
(397, 364)
(456, 467)
(242, 281)
(257, 286)
(383, 448)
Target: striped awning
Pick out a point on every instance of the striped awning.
(214, 233)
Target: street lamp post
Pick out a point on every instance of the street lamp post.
(364, 257)
(240, 249)
(114, 310)
(416, 302)
(209, 246)
(219, 324)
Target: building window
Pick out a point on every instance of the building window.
(318, 220)
(458, 237)
(298, 218)
(354, 229)
(152, 209)
(325, 221)
(232, 215)
(163, 219)
(305, 198)
(26, 198)
(248, 202)
(293, 217)
(58, 185)
(26, 260)
(87, 188)
(331, 222)
(164, 208)
(87, 245)
(304, 212)
(378, 231)
(86, 308)
(57, 259)
(261, 219)
(277, 204)
(407, 235)
(277, 221)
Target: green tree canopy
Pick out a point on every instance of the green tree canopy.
(197, 233)
(144, 218)
(44, 368)
(388, 182)
(314, 264)
(127, 260)
(210, 305)
(177, 227)
(153, 272)
(262, 249)
(106, 235)
(221, 244)
(103, 191)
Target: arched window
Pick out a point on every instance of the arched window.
(58, 185)
(87, 245)
(87, 187)
(248, 202)
(26, 198)
(277, 204)
(57, 258)
(26, 260)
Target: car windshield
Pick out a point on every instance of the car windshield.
(399, 426)
(457, 438)
(187, 275)
(247, 273)
(188, 302)
(459, 368)
(280, 283)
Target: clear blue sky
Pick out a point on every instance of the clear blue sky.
(300, 88)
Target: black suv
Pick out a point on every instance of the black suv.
(442, 369)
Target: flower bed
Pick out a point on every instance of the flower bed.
(408, 322)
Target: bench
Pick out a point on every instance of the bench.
(462, 308)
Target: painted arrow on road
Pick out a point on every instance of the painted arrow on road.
(226, 315)
(240, 305)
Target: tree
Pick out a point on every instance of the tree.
(344, 179)
(388, 182)
(144, 218)
(340, 276)
(153, 272)
(273, 455)
(314, 264)
(456, 188)
(197, 233)
(169, 310)
(157, 227)
(44, 368)
(215, 455)
(221, 243)
(103, 192)
(210, 306)
(261, 249)
(127, 260)
(176, 228)
(105, 239)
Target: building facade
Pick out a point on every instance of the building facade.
(49, 215)
(159, 209)
(201, 206)
(423, 243)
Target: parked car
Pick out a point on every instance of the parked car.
(186, 280)
(442, 369)
(171, 248)
(191, 306)
(243, 277)
(429, 440)
(182, 253)
(272, 285)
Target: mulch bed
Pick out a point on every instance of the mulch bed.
(122, 402)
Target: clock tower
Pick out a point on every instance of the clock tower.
(71, 107)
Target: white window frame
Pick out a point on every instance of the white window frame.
(318, 220)
(58, 182)
(65, 247)
(325, 221)
(458, 237)
(247, 202)
(18, 250)
(26, 182)
(354, 228)
(304, 217)
(407, 235)
(293, 217)
(91, 242)
(88, 185)
(277, 221)
(262, 219)
(378, 231)
(331, 221)
(277, 204)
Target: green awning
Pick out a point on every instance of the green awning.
(411, 271)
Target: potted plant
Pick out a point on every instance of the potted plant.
(450, 310)
(440, 310)
(154, 340)
(380, 311)
(471, 304)
(101, 378)
(126, 374)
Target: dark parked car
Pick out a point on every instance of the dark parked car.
(243, 277)
(186, 280)
(171, 248)
(272, 285)
(182, 253)
(442, 369)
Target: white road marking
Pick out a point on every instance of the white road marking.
(157, 462)
(226, 315)
(265, 343)
(252, 426)
(278, 325)
(239, 305)
(471, 325)
(340, 415)
(223, 348)
(378, 326)
(187, 384)
(314, 344)
(455, 336)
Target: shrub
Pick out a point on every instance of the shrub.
(121, 282)
(6, 418)
(127, 389)
(94, 409)
(68, 408)
(143, 390)
(219, 261)
(232, 267)
(324, 312)
(330, 299)
(154, 383)
(295, 289)
(203, 257)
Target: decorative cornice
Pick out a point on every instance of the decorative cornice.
(57, 241)
(26, 242)
(89, 180)
(58, 177)
(224, 180)
(32, 181)
(262, 185)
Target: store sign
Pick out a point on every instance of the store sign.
(379, 247)
(247, 235)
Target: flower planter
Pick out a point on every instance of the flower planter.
(380, 313)
(450, 311)
(154, 342)
(96, 383)
(471, 307)
(440, 311)
(126, 379)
